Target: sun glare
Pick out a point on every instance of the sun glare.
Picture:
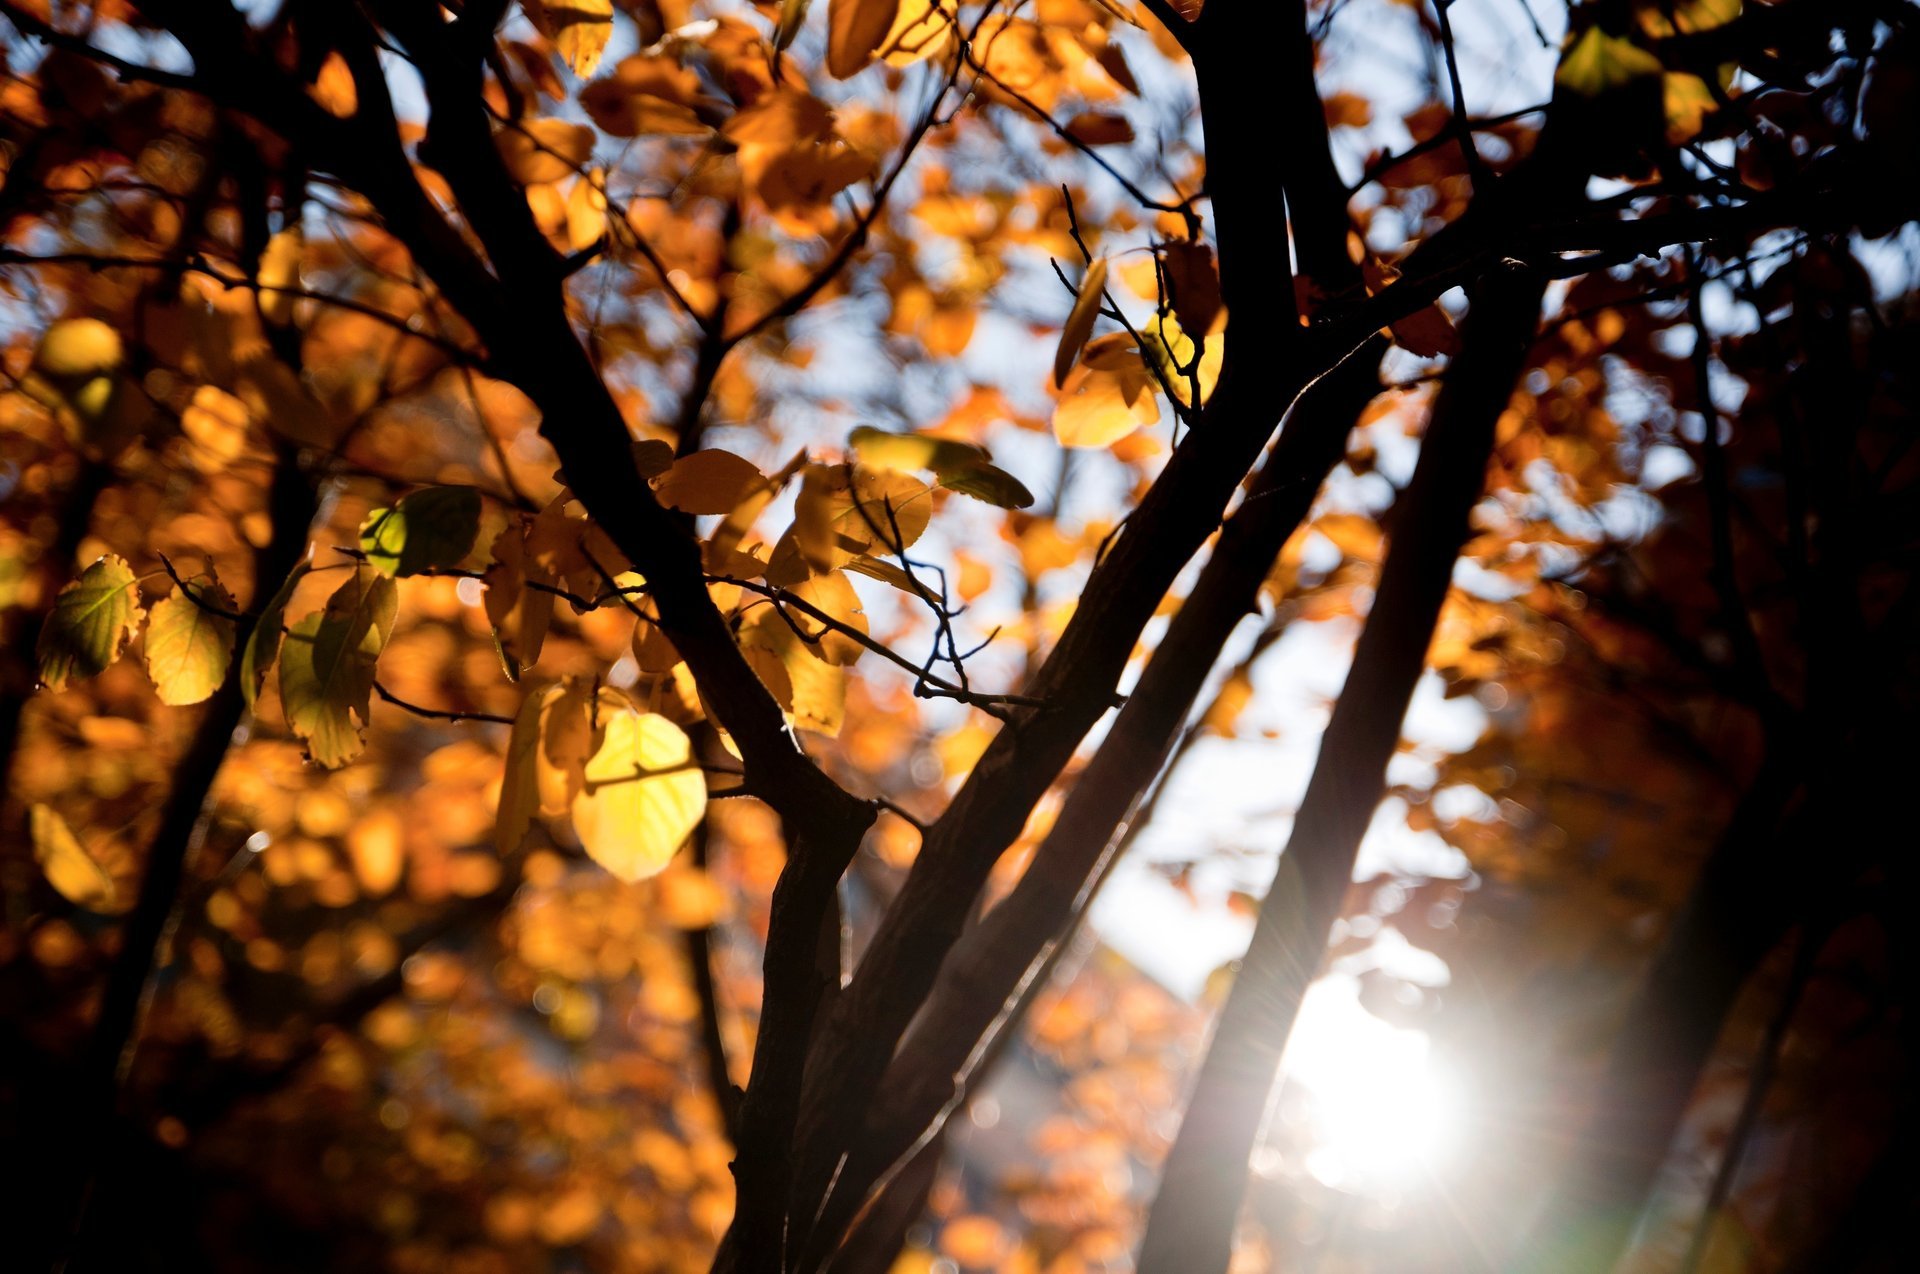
(1377, 1112)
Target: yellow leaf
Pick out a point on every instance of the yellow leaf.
(569, 735)
(812, 691)
(326, 667)
(263, 645)
(92, 620)
(922, 29)
(66, 863)
(957, 466)
(586, 211)
(1107, 397)
(190, 644)
(579, 30)
(520, 614)
(1688, 101)
(643, 795)
(520, 786)
(844, 512)
(855, 28)
(1598, 62)
(832, 595)
(1079, 324)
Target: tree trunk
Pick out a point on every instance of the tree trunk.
(1191, 1225)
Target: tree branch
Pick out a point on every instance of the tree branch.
(1191, 1224)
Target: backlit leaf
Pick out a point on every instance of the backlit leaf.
(92, 620)
(1598, 62)
(643, 795)
(579, 30)
(263, 644)
(520, 785)
(832, 595)
(709, 481)
(1107, 397)
(67, 865)
(519, 612)
(327, 667)
(190, 643)
(957, 466)
(1079, 324)
(430, 528)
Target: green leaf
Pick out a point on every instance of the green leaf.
(1598, 62)
(190, 644)
(957, 466)
(263, 644)
(92, 620)
(326, 668)
(429, 528)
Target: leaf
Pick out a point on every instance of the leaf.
(326, 668)
(579, 30)
(957, 466)
(545, 149)
(922, 29)
(855, 28)
(67, 865)
(429, 528)
(567, 740)
(1107, 397)
(793, 15)
(643, 795)
(263, 644)
(1192, 284)
(812, 691)
(189, 644)
(333, 88)
(1079, 324)
(710, 481)
(831, 594)
(93, 619)
(1096, 128)
(1598, 62)
(844, 512)
(520, 785)
(520, 614)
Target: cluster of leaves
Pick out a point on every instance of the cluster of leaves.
(237, 336)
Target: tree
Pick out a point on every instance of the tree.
(606, 392)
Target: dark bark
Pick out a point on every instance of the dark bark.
(1191, 1225)
(101, 1072)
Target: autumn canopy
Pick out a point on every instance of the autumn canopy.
(932, 635)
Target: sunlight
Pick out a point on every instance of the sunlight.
(1376, 1111)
